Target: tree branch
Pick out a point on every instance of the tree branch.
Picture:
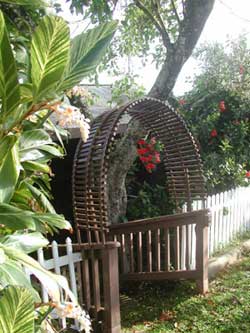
(175, 12)
(159, 26)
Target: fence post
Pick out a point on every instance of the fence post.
(112, 321)
(202, 252)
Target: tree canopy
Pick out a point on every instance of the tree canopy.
(162, 31)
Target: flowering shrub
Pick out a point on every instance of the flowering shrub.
(218, 112)
(149, 153)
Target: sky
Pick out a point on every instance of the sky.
(228, 19)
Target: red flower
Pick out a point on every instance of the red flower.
(182, 101)
(222, 106)
(213, 133)
(248, 174)
(241, 69)
(150, 166)
(144, 158)
(141, 142)
(150, 158)
(142, 151)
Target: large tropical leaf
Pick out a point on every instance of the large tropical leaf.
(9, 87)
(86, 51)
(49, 55)
(27, 243)
(9, 173)
(16, 310)
(18, 219)
(6, 145)
(36, 167)
(40, 198)
(37, 144)
(15, 218)
(52, 282)
(12, 273)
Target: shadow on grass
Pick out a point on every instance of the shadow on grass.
(170, 307)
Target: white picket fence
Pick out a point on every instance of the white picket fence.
(230, 216)
(68, 265)
(230, 212)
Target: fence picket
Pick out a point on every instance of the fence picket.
(230, 215)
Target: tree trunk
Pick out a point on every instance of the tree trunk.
(120, 162)
(196, 14)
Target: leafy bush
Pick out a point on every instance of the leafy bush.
(52, 64)
(217, 110)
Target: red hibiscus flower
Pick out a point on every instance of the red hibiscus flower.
(213, 133)
(141, 142)
(222, 106)
(182, 101)
(142, 151)
(150, 166)
(248, 174)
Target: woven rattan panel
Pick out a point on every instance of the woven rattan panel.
(183, 167)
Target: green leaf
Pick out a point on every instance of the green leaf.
(16, 310)
(30, 142)
(27, 243)
(36, 167)
(18, 219)
(49, 55)
(12, 273)
(51, 282)
(9, 173)
(15, 218)
(40, 198)
(5, 145)
(26, 93)
(86, 51)
(9, 87)
(52, 222)
(54, 151)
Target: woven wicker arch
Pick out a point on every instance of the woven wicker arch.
(181, 158)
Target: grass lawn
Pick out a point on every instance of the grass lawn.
(176, 307)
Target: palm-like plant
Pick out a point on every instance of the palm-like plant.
(53, 64)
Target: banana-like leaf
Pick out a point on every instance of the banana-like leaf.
(12, 273)
(33, 139)
(37, 144)
(26, 93)
(18, 219)
(56, 151)
(40, 198)
(9, 86)
(86, 51)
(16, 310)
(33, 3)
(9, 173)
(49, 55)
(6, 144)
(27, 243)
(35, 166)
(51, 282)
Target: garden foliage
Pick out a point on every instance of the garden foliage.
(217, 110)
(32, 85)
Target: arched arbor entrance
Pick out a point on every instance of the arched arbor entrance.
(166, 247)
